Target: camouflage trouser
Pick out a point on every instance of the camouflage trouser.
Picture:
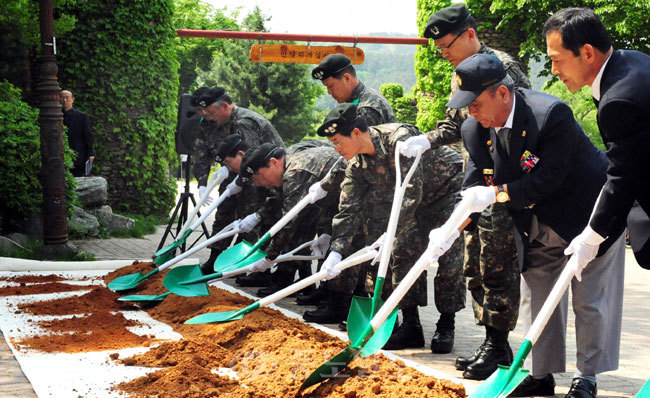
(351, 278)
(492, 270)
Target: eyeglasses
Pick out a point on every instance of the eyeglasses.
(452, 42)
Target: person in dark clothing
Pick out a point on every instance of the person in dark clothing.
(80, 137)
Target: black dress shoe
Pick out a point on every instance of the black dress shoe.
(488, 360)
(315, 297)
(407, 335)
(442, 341)
(463, 362)
(530, 386)
(582, 388)
(254, 279)
(343, 326)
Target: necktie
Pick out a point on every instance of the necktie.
(504, 139)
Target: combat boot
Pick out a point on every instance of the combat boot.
(443, 339)
(208, 266)
(409, 334)
(313, 297)
(334, 310)
(254, 279)
(463, 362)
(495, 352)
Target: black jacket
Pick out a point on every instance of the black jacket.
(80, 137)
(561, 188)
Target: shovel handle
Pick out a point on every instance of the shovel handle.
(357, 258)
(210, 209)
(212, 183)
(552, 300)
(214, 238)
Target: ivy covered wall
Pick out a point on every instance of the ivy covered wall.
(120, 62)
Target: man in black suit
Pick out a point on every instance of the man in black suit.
(80, 137)
(582, 54)
(526, 150)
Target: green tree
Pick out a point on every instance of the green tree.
(283, 93)
(197, 53)
(404, 106)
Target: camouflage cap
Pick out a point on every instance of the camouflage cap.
(255, 159)
(341, 120)
(211, 96)
(474, 75)
(228, 146)
(446, 20)
(194, 101)
(330, 65)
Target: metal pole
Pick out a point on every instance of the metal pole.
(225, 34)
(55, 225)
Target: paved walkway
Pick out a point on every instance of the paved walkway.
(633, 371)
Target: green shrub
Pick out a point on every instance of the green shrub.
(404, 106)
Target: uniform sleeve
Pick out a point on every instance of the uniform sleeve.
(203, 161)
(447, 131)
(371, 116)
(348, 221)
(332, 181)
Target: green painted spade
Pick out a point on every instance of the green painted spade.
(644, 392)
(507, 378)
(373, 337)
(361, 256)
(362, 309)
(131, 281)
(166, 253)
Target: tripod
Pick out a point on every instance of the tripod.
(181, 209)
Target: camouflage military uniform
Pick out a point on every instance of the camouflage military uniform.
(374, 108)
(490, 253)
(365, 204)
(305, 164)
(255, 130)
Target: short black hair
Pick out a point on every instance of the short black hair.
(349, 69)
(470, 22)
(577, 27)
(360, 123)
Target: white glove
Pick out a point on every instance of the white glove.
(483, 197)
(329, 265)
(261, 265)
(233, 187)
(202, 192)
(249, 222)
(316, 193)
(439, 244)
(413, 145)
(584, 247)
(379, 245)
(220, 176)
(320, 245)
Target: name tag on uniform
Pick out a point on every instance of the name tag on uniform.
(488, 172)
(528, 161)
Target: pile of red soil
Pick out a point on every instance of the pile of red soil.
(270, 353)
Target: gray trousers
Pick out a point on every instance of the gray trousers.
(597, 304)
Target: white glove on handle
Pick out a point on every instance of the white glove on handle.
(413, 145)
(208, 201)
(440, 246)
(584, 247)
(233, 187)
(321, 245)
(220, 176)
(485, 196)
(329, 265)
(316, 193)
(249, 222)
(261, 265)
(379, 245)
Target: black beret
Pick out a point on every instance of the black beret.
(330, 65)
(228, 146)
(256, 158)
(341, 120)
(211, 96)
(446, 20)
(474, 75)
(197, 94)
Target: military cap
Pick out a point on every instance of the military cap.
(446, 20)
(330, 65)
(197, 94)
(228, 146)
(474, 75)
(341, 120)
(211, 96)
(255, 159)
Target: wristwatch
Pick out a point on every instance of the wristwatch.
(502, 195)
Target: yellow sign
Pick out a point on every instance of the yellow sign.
(294, 53)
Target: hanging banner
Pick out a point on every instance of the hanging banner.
(294, 53)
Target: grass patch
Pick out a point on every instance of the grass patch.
(33, 250)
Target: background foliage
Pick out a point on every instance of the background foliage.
(404, 106)
(120, 60)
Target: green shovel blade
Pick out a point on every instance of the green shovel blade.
(332, 367)
(145, 297)
(240, 255)
(221, 317)
(381, 336)
(130, 281)
(167, 253)
(360, 316)
(500, 383)
(644, 392)
(174, 278)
